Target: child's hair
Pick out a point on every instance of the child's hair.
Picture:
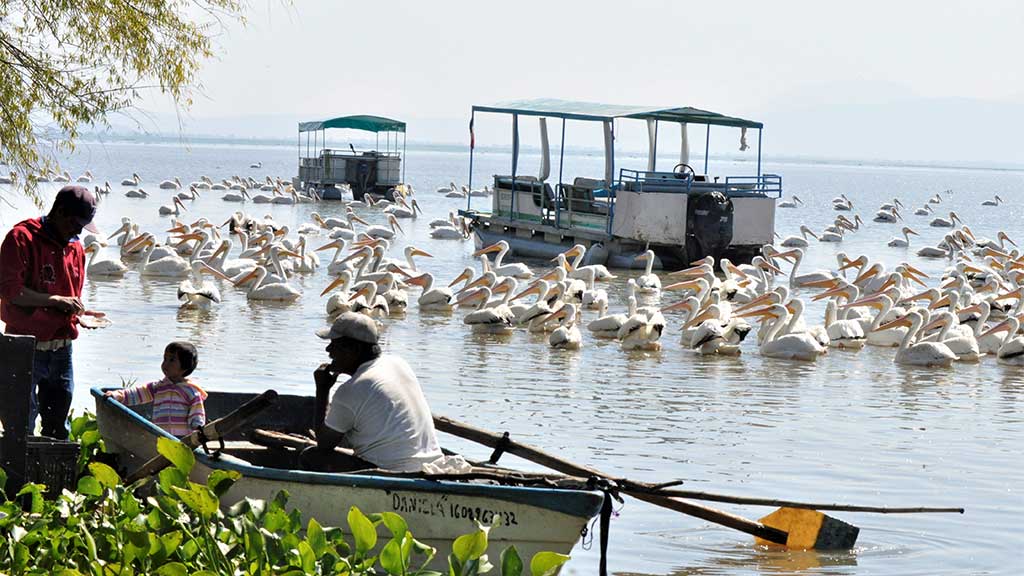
(187, 355)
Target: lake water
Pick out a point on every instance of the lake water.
(852, 427)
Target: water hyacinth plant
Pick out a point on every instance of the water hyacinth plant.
(170, 526)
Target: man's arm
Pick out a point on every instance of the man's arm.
(327, 438)
(31, 299)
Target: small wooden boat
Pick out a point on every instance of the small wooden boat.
(531, 518)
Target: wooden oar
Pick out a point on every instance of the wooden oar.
(219, 428)
(816, 529)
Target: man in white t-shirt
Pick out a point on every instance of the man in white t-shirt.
(380, 412)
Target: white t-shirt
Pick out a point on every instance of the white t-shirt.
(384, 416)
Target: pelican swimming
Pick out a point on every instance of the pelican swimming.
(241, 196)
(175, 208)
(924, 210)
(887, 216)
(170, 184)
(171, 266)
(193, 292)
(798, 346)
(341, 301)
(648, 281)
(516, 269)
(439, 298)
(140, 193)
(1011, 350)
(799, 241)
(943, 223)
(567, 336)
(918, 353)
(491, 320)
(577, 253)
(606, 325)
(133, 181)
(105, 267)
(842, 203)
(897, 242)
(993, 202)
(791, 203)
(387, 232)
(794, 280)
(264, 289)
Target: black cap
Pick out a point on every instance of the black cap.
(79, 202)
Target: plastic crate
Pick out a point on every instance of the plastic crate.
(53, 463)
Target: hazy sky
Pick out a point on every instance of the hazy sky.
(785, 63)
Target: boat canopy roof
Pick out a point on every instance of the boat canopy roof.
(573, 110)
(366, 123)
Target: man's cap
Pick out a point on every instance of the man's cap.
(353, 326)
(79, 202)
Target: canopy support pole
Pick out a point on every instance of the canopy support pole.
(707, 145)
(561, 162)
(759, 154)
(545, 151)
(402, 159)
(472, 146)
(652, 144)
(515, 160)
(609, 153)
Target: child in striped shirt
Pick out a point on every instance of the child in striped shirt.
(177, 400)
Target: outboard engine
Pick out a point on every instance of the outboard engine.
(709, 219)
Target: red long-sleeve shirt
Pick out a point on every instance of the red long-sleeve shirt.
(31, 257)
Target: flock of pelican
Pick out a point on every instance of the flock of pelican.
(973, 310)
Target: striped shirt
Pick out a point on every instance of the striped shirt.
(177, 406)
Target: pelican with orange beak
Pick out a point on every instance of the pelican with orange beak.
(341, 301)
(918, 353)
(264, 289)
(515, 269)
(1011, 350)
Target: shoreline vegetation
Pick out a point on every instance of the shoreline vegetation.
(169, 526)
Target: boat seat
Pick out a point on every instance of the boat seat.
(543, 195)
(580, 196)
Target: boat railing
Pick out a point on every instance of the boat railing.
(650, 181)
(766, 184)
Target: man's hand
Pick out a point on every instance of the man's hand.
(66, 304)
(324, 378)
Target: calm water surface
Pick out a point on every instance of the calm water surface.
(853, 427)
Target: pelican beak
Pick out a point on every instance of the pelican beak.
(121, 230)
(214, 271)
(362, 253)
(467, 298)
(788, 255)
(1007, 238)
(762, 312)
(753, 303)
(398, 270)
(850, 264)
(688, 272)
(290, 254)
(329, 245)
(1013, 294)
(901, 321)
(910, 231)
(182, 229)
(915, 271)
(395, 226)
(1003, 326)
(685, 285)
(481, 281)
(465, 275)
(552, 275)
(566, 265)
(867, 274)
(696, 320)
(838, 290)
(135, 243)
(970, 309)
(829, 283)
(418, 252)
(940, 303)
(772, 267)
(246, 278)
(487, 250)
(872, 301)
(909, 276)
(677, 306)
(180, 204)
(362, 291)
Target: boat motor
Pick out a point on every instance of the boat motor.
(709, 221)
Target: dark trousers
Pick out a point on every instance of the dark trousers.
(53, 382)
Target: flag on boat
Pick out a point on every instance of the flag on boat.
(472, 137)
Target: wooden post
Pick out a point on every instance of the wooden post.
(17, 354)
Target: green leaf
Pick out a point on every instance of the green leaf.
(136, 535)
(89, 486)
(396, 524)
(511, 563)
(308, 557)
(220, 481)
(129, 505)
(105, 474)
(3, 484)
(391, 558)
(316, 538)
(205, 573)
(172, 569)
(170, 541)
(275, 520)
(363, 531)
(36, 495)
(169, 478)
(199, 499)
(470, 546)
(21, 558)
(180, 456)
(547, 563)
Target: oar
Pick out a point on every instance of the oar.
(815, 530)
(219, 428)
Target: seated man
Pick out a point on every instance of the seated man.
(379, 412)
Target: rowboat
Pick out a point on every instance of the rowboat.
(533, 519)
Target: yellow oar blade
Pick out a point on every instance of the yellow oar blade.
(811, 530)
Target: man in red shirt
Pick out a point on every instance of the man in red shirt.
(42, 268)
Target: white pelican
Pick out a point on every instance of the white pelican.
(897, 242)
(170, 184)
(1011, 349)
(171, 266)
(843, 333)
(448, 233)
(496, 320)
(103, 267)
(713, 336)
(241, 196)
(890, 205)
(577, 252)
(262, 289)
(404, 210)
(340, 301)
(842, 203)
(791, 203)
(193, 292)
(337, 265)
(133, 181)
(919, 353)
(516, 269)
(797, 346)
(924, 210)
(396, 296)
(445, 189)
(173, 209)
(87, 177)
(943, 223)
(887, 216)
(385, 231)
(440, 298)
(993, 202)
(797, 255)
(799, 241)
(366, 300)
(648, 281)
(567, 335)
(593, 297)
(643, 328)
(951, 246)
(140, 193)
(962, 344)
(606, 325)
(535, 316)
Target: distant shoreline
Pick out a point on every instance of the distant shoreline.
(413, 145)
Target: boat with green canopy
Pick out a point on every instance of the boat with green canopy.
(377, 171)
(683, 214)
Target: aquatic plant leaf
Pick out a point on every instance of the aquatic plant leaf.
(3, 484)
(362, 529)
(316, 538)
(169, 478)
(89, 486)
(275, 520)
(69, 572)
(307, 557)
(21, 557)
(511, 563)
(172, 569)
(547, 563)
(180, 456)
(35, 491)
(391, 558)
(104, 474)
(220, 481)
(129, 504)
(470, 546)
(199, 498)
(396, 524)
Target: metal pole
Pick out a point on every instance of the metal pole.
(759, 154)
(561, 161)
(472, 138)
(402, 159)
(707, 144)
(654, 156)
(515, 160)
